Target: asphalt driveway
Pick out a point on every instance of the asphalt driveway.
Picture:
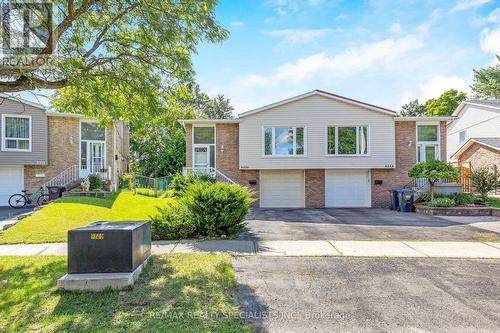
(8, 212)
(356, 224)
(356, 294)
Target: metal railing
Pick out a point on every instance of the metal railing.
(66, 177)
(207, 171)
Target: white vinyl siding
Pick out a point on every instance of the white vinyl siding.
(314, 113)
(347, 188)
(477, 121)
(282, 188)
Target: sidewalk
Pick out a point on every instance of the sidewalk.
(490, 250)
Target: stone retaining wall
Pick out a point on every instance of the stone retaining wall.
(457, 211)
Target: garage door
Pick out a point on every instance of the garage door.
(11, 181)
(347, 188)
(282, 188)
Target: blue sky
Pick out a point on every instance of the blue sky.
(379, 51)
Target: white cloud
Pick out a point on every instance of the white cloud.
(345, 63)
(490, 40)
(439, 84)
(435, 16)
(237, 24)
(494, 16)
(396, 28)
(298, 36)
(468, 4)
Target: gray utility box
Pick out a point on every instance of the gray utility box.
(108, 247)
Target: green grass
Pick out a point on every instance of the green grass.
(172, 295)
(51, 223)
(494, 202)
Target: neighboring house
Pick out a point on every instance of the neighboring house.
(40, 147)
(480, 153)
(316, 150)
(474, 134)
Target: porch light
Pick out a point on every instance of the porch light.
(221, 148)
(70, 139)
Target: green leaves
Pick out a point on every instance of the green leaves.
(444, 105)
(486, 81)
(434, 170)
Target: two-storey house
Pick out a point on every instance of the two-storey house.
(40, 147)
(316, 150)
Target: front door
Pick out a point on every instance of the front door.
(91, 158)
(201, 157)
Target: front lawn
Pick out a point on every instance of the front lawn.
(51, 223)
(175, 293)
(494, 202)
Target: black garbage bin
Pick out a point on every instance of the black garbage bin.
(55, 192)
(406, 199)
(394, 203)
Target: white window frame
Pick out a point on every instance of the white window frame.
(204, 144)
(4, 146)
(368, 141)
(273, 149)
(421, 144)
(461, 142)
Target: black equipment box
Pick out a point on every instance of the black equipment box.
(109, 247)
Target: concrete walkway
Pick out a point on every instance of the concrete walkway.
(420, 249)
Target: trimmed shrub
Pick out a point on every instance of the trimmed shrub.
(96, 182)
(181, 183)
(126, 181)
(206, 209)
(462, 199)
(218, 209)
(442, 202)
(172, 222)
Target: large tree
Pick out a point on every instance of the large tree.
(413, 109)
(205, 107)
(486, 82)
(445, 104)
(138, 48)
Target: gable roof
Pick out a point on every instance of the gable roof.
(489, 103)
(324, 94)
(22, 101)
(493, 143)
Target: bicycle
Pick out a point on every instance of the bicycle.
(22, 199)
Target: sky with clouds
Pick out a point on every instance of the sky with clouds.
(379, 51)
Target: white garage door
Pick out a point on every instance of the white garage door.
(11, 181)
(347, 188)
(282, 188)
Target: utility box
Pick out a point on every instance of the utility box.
(109, 247)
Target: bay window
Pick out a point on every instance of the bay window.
(16, 133)
(347, 140)
(427, 142)
(284, 141)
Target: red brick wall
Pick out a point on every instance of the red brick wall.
(315, 188)
(62, 154)
(405, 159)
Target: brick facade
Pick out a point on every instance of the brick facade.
(62, 154)
(315, 188)
(480, 156)
(64, 151)
(406, 157)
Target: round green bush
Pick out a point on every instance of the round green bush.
(172, 222)
(180, 183)
(218, 209)
(96, 182)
